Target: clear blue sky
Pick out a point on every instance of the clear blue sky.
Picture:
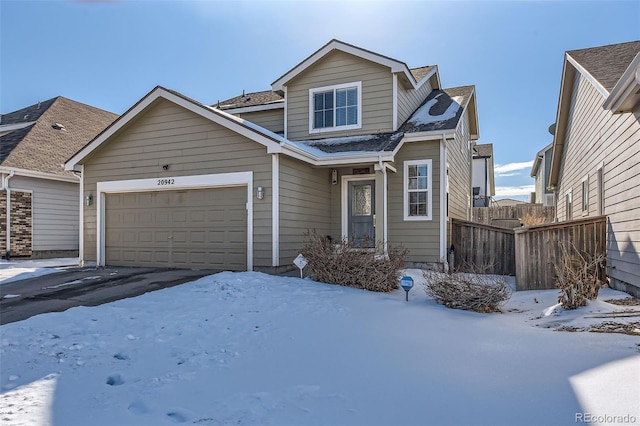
(111, 53)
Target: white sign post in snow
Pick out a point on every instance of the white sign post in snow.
(300, 262)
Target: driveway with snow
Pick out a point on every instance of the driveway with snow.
(249, 348)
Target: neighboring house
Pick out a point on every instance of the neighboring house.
(540, 172)
(39, 200)
(504, 202)
(595, 168)
(348, 142)
(482, 180)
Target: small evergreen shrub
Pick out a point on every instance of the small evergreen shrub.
(349, 264)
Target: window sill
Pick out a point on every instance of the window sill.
(335, 129)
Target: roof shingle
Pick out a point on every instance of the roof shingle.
(43, 148)
(251, 99)
(607, 63)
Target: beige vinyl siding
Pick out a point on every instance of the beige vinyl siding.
(55, 212)
(190, 145)
(338, 68)
(611, 140)
(410, 99)
(459, 160)
(422, 238)
(305, 204)
(271, 120)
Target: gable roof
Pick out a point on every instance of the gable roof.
(483, 150)
(441, 110)
(614, 70)
(396, 66)
(243, 127)
(606, 64)
(538, 160)
(42, 145)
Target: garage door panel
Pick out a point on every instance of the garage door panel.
(204, 228)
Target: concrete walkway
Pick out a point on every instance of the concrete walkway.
(89, 286)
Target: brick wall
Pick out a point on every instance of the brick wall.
(21, 224)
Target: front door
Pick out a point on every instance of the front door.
(361, 212)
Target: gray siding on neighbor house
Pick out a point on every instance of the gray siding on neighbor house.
(305, 204)
(613, 142)
(190, 145)
(271, 120)
(422, 238)
(459, 161)
(410, 99)
(337, 68)
(55, 212)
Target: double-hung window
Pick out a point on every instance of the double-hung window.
(334, 108)
(417, 190)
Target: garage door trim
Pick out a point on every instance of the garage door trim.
(173, 183)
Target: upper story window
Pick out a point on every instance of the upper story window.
(334, 108)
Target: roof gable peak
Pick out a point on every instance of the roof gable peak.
(335, 44)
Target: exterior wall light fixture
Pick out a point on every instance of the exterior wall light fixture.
(260, 192)
(88, 200)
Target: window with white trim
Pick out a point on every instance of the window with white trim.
(585, 194)
(333, 108)
(418, 191)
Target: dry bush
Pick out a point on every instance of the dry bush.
(468, 291)
(577, 276)
(531, 219)
(346, 263)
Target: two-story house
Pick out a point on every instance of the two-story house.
(595, 165)
(348, 142)
(482, 175)
(540, 170)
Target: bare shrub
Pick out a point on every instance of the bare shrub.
(349, 264)
(577, 276)
(531, 219)
(468, 291)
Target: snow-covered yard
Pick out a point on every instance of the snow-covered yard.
(22, 269)
(248, 348)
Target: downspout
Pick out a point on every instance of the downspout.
(486, 180)
(384, 204)
(5, 184)
(80, 176)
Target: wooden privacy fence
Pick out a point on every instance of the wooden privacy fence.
(539, 247)
(510, 216)
(485, 247)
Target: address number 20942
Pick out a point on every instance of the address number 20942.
(166, 182)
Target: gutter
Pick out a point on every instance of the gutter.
(5, 185)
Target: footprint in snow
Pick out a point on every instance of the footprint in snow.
(121, 356)
(115, 380)
(138, 407)
(177, 417)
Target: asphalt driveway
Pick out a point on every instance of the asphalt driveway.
(88, 286)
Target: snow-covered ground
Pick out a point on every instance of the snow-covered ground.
(22, 269)
(248, 348)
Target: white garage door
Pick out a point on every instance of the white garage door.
(198, 228)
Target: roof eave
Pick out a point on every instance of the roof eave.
(270, 140)
(624, 96)
(396, 66)
(566, 82)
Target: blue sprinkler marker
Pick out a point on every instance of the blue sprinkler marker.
(406, 283)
